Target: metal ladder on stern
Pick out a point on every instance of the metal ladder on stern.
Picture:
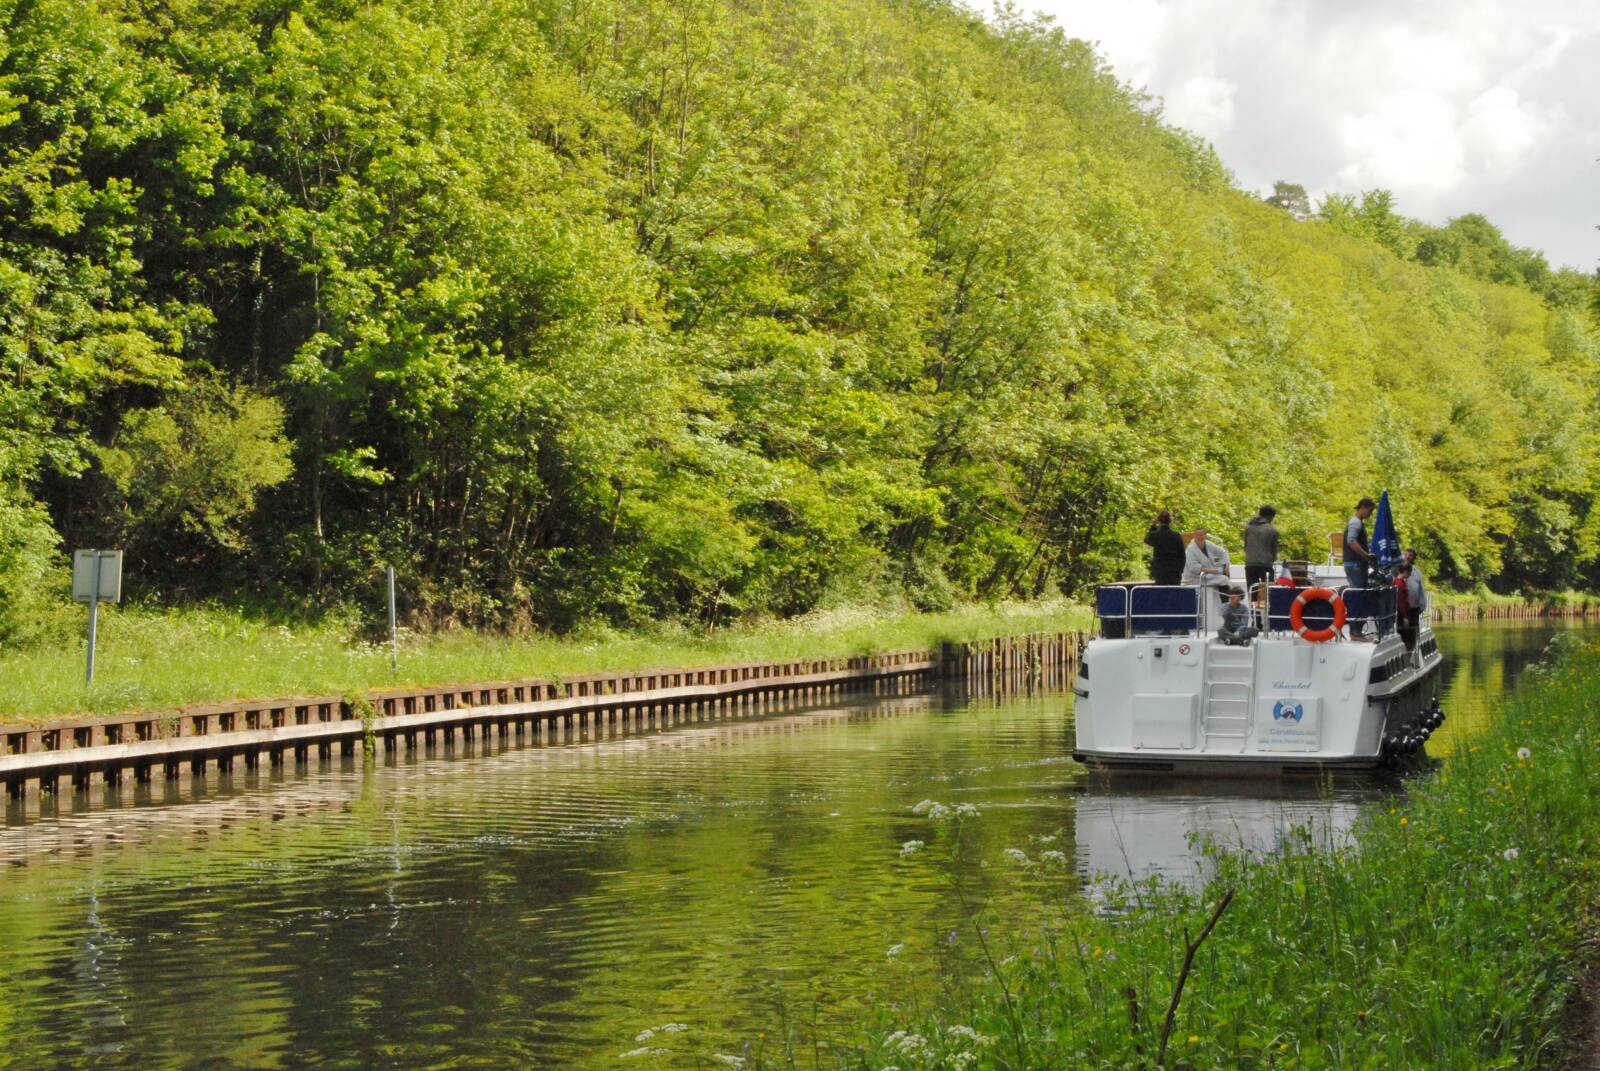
(1230, 679)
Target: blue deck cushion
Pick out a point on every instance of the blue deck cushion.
(1111, 604)
(1369, 604)
(1111, 601)
(1164, 609)
(1278, 602)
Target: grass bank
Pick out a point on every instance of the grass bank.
(151, 660)
(1443, 933)
(1482, 603)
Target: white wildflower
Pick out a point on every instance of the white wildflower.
(967, 810)
(674, 1028)
(908, 1044)
(1017, 855)
(924, 807)
(1510, 854)
(911, 847)
(960, 1061)
(643, 1050)
(968, 1034)
(726, 1060)
(644, 1035)
(895, 950)
(1523, 753)
(1053, 857)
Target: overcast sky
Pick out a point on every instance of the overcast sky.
(1455, 105)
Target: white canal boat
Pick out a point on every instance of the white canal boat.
(1327, 683)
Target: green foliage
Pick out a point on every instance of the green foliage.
(1445, 933)
(29, 575)
(196, 465)
(629, 310)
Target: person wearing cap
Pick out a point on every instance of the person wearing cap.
(1236, 629)
(1260, 549)
(1357, 558)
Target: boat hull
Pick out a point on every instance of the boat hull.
(1280, 706)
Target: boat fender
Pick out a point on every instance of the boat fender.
(1297, 615)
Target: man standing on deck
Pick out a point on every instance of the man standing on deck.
(1166, 551)
(1357, 559)
(1260, 549)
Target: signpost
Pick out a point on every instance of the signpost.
(394, 643)
(96, 578)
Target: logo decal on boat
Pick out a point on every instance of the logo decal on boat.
(1183, 648)
(1289, 686)
(1283, 710)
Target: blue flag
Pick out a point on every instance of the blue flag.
(1385, 539)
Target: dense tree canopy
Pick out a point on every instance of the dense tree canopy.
(620, 309)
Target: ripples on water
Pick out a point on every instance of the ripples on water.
(544, 906)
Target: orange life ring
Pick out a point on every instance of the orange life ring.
(1297, 615)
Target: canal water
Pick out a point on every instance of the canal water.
(655, 901)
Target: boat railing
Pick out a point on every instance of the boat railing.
(1367, 611)
(1140, 609)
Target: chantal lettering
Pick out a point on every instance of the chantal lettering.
(1291, 684)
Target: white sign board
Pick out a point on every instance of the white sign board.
(1289, 723)
(92, 567)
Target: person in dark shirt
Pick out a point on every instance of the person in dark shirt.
(1357, 558)
(1236, 625)
(1166, 551)
(1260, 549)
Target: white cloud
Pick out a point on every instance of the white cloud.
(1407, 142)
(1202, 103)
(1500, 129)
(1454, 105)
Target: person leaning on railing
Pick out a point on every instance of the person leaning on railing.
(1205, 565)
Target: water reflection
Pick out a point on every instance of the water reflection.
(1140, 828)
(545, 906)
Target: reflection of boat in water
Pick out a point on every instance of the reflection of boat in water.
(1327, 683)
(1143, 827)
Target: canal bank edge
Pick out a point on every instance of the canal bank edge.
(1566, 606)
(105, 749)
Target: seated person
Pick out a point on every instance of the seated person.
(1237, 628)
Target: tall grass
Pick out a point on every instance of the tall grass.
(1444, 932)
(149, 659)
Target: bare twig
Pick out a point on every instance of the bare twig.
(1190, 948)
